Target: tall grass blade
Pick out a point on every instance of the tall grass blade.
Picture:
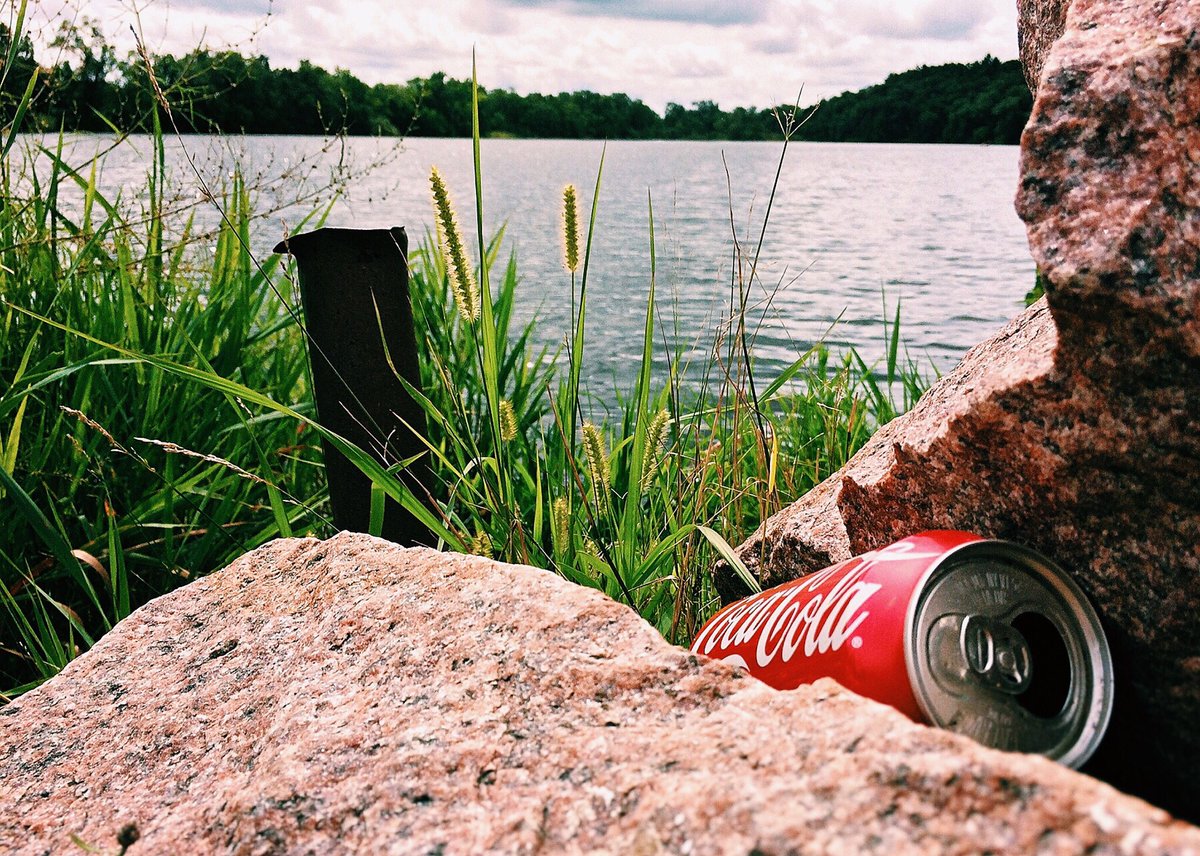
(893, 345)
(19, 115)
(642, 415)
(731, 558)
(378, 504)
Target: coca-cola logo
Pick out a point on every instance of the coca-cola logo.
(801, 618)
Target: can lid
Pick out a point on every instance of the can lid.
(1002, 646)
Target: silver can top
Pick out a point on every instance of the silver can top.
(1002, 646)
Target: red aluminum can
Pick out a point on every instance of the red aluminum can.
(981, 637)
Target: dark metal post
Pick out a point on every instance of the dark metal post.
(354, 287)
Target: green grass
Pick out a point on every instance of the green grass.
(155, 421)
(120, 479)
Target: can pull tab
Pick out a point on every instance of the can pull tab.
(997, 653)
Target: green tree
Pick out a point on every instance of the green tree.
(80, 94)
(444, 107)
(14, 75)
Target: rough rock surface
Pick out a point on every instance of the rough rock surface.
(352, 696)
(1074, 430)
(1039, 24)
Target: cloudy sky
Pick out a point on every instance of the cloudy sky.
(734, 52)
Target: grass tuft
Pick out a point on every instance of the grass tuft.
(156, 418)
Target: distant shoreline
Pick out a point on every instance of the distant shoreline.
(503, 139)
(225, 92)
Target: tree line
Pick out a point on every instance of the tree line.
(90, 88)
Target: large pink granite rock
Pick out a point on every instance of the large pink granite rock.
(354, 697)
(1075, 429)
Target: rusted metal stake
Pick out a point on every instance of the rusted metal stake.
(354, 291)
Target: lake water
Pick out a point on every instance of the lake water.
(852, 226)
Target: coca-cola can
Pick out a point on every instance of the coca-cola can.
(981, 637)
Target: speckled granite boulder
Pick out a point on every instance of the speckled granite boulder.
(1075, 429)
(354, 697)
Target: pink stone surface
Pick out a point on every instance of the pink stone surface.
(354, 697)
(1110, 187)
(1074, 429)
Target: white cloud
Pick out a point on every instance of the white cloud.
(735, 53)
(713, 12)
(926, 19)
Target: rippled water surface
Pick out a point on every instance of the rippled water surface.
(850, 226)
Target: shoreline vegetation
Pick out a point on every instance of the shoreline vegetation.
(156, 418)
(89, 88)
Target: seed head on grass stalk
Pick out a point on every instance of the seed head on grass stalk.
(570, 229)
(508, 421)
(656, 441)
(597, 461)
(592, 549)
(462, 280)
(560, 518)
(481, 545)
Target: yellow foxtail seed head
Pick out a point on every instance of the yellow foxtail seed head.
(656, 441)
(597, 460)
(481, 545)
(508, 421)
(560, 519)
(590, 546)
(570, 229)
(462, 281)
